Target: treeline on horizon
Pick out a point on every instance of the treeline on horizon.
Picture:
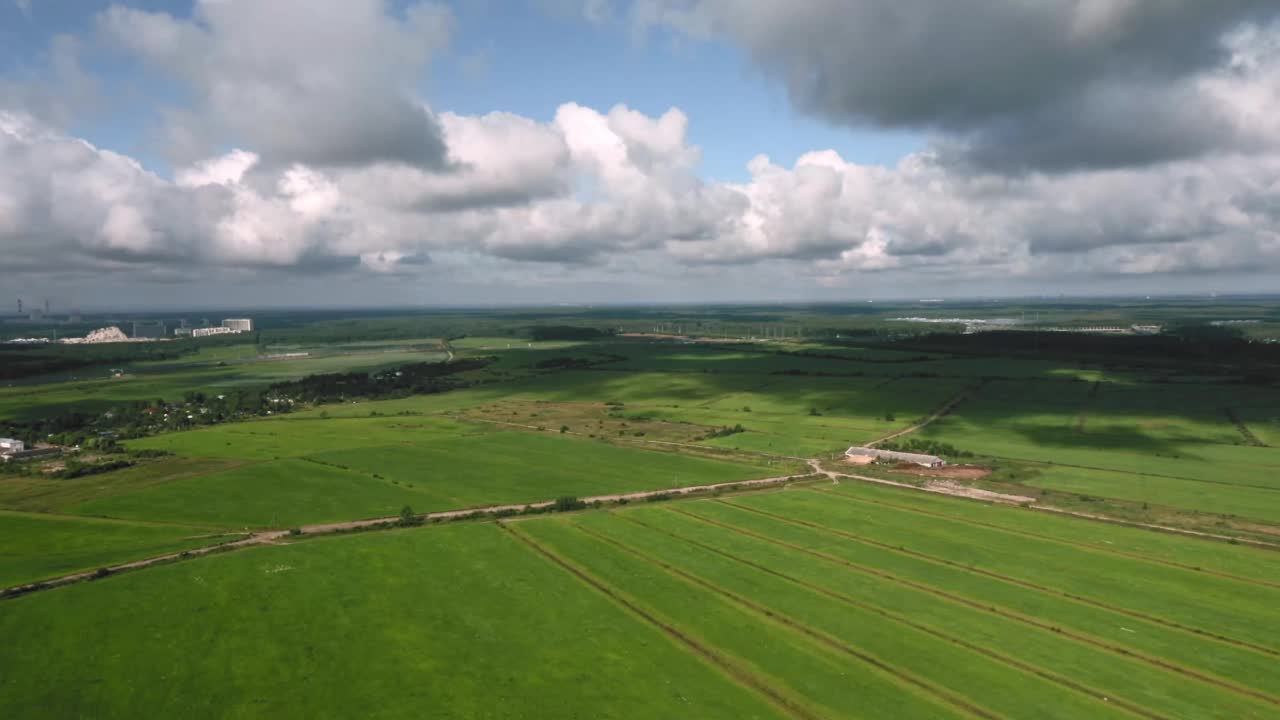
(133, 419)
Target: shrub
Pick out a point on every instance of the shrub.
(568, 503)
(408, 517)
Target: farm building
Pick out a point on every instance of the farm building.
(867, 454)
(8, 446)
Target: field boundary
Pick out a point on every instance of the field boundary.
(1027, 667)
(1080, 637)
(1017, 581)
(1071, 543)
(946, 409)
(814, 635)
(1032, 504)
(488, 512)
(741, 676)
(1249, 438)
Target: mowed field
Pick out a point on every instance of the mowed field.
(818, 601)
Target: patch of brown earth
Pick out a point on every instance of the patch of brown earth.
(959, 472)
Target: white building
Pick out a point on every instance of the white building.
(238, 324)
(870, 454)
(206, 332)
(9, 446)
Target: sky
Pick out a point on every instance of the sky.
(179, 153)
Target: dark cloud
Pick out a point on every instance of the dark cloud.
(1048, 84)
(329, 84)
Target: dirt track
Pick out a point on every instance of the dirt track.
(934, 416)
(268, 537)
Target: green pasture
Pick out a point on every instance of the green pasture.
(312, 471)
(39, 546)
(1258, 503)
(988, 658)
(1181, 596)
(831, 601)
(56, 495)
(294, 437)
(283, 493)
(957, 583)
(459, 621)
(1242, 560)
(1174, 431)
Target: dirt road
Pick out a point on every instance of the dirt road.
(935, 415)
(945, 487)
(941, 487)
(268, 537)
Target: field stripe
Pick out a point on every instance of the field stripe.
(833, 643)
(1132, 708)
(974, 604)
(1260, 468)
(1048, 538)
(741, 676)
(1016, 581)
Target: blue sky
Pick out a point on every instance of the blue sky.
(515, 57)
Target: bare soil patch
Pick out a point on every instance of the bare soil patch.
(954, 488)
(957, 472)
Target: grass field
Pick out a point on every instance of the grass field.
(455, 622)
(298, 472)
(821, 600)
(1173, 445)
(39, 546)
(814, 602)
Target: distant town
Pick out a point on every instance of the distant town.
(141, 330)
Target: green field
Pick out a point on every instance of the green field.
(299, 472)
(455, 622)
(819, 601)
(827, 598)
(210, 370)
(35, 546)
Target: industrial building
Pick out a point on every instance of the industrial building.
(238, 324)
(866, 454)
(206, 332)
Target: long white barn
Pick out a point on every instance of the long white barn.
(876, 454)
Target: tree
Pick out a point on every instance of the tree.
(408, 517)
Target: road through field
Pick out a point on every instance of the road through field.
(972, 493)
(271, 536)
(934, 416)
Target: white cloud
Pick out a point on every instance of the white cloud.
(322, 83)
(340, 166)
(605, 189)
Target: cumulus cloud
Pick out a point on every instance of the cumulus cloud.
(319, 83)
(336, 165)
(599, 189)
(1044, 85)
